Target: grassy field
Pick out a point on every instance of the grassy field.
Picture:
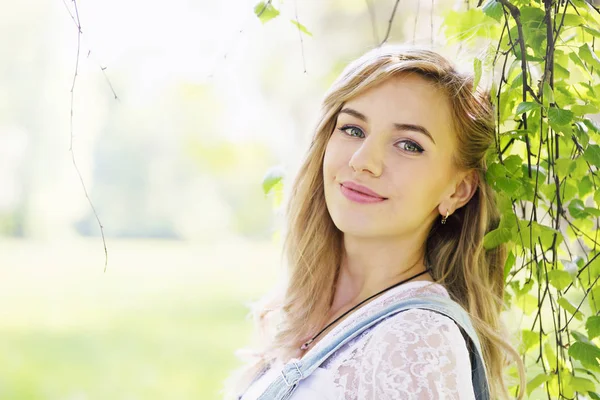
(162, 322)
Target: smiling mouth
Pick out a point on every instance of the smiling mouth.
(361, 189)
(363, 193)
(359, 197)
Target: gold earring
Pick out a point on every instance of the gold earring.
(446, 217)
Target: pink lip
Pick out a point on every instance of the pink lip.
(359, 193)
(362, 189)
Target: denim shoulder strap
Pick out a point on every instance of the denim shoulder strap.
(296, 370)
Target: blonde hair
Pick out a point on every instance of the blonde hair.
(473, 276)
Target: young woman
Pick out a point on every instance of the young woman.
(390, 205)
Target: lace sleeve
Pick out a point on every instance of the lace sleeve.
(416, 354)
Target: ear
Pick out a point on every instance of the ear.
(463, 191)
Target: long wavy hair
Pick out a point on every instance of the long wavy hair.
(473, 276)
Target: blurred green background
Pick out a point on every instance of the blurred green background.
(208, 100)
(161, 323)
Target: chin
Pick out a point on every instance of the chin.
(352, 224)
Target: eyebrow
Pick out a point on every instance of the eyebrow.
(398, 126)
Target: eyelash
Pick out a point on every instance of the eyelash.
(415, 144)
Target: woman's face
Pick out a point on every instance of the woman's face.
(395, 139)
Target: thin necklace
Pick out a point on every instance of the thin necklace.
(305, 345)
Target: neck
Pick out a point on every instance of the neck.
(371, 266)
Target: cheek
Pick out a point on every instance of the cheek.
(415, 187)
(331, 161)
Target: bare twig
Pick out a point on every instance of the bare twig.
(431, 21)
(299, 34)
(549, 64)
(78, 23)
(516, 14)
(237, 37)
(72, 16)
(588, 290)
(390, 22)
(416, 21)
(591, 4)
(102, 69)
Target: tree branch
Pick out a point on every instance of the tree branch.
(78, 23)
(390, 22)
(516, 14)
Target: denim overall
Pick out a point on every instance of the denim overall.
(296, 370)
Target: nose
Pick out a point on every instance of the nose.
(368, 157)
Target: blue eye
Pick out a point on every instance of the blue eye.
(346, 127)
(412, 145)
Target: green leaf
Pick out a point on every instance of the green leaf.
(529, 235)
(265, 11)
(496, 237)
(592, 154)
(592, 211)
(582, 133)
(592, 31)
(572, 20)
(513, 164)
(517, 81)
(585, 371)
(594, 264)
(527, 106)
(581, 385)
(495, 171)
(577, 209)
(537, 382)
(515, 133)
(592, 125)
(301, 27)
(532, 19)
(561, 72)
(580, 337)
(528, 303)
(461, 26)
(528, 340)
(575, 384)
(273, 176)
(550, 354)
(576, 59)
(594, 299)
(584, 109)
(532, 16)
(559, 279)
(593, 326)
(493, 9)
(508, 185)
(568, 190)
(564, 166)
(585, 186)
(587, 353)
(519, 291)
(587, 54)
(570, 308)
(477, 72)
(559, 117)
(547, 235)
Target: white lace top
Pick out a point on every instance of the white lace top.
(415, 354)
